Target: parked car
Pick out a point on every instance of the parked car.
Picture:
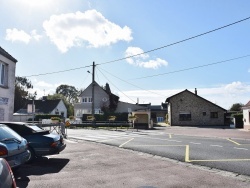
(13, 147)
(40, 142)
(7, 179)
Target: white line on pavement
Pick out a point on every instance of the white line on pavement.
(241, 148)
(194, 143)
(216, 146)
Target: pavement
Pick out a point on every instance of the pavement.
(136, 169)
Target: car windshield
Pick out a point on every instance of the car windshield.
(6, 133)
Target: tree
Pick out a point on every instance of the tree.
(69, 92)
(236, 107)
(69, 106)
(22, 94)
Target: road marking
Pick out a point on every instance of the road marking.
(219, 160)
(187, 154)
(216, 146)
(170, 135)
(233, 141)
(158, 145)
(125, 142)
(70, 141)
(194, 143)
(241, 148)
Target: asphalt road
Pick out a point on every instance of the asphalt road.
(85, 164)
(217, 151)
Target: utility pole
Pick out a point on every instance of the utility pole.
(93, 96)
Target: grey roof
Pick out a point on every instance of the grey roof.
(168, 99)
(7, 55)
(42, 106)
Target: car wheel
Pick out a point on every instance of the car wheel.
(32, 155)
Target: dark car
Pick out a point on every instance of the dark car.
(13, 147)
(40, 142)
(7, 179)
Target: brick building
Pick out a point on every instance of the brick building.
(189, 109)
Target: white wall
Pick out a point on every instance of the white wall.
(7, 93)
(246, 118)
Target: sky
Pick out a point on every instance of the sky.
(146, 50)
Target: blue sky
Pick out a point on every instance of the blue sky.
(50, 36)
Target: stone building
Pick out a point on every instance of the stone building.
(189, 109)
(7, 85)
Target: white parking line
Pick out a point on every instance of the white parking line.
(216, 146)
(70, 141)
(241, 148)
(194, 143)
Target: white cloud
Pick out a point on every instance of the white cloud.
(91, 27)
(224, 95)
(17, 35)
(138, 58)
(21, 36)
(35, 36)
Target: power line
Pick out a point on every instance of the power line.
(184, 40)
(115, 86)
(186, 69)
(132, 84)
(42, 74)
(191, 68)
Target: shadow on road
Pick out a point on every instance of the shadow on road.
(41, 166)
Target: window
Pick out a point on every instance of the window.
(185, 116)
(160, 119)
(87, 100)
(204, 113)
(3, 74)
(213, 114)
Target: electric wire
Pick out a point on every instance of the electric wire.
(191, 68)
(115, 86)
(181, 41)
(184, 40)
(132, 84)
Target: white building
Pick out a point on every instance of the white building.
(7, 85)
(246, 116)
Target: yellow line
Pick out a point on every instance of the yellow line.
(219, 160)
(159, 145)
(233, 142)
(125, 143)
(187, 154)
(170, 135)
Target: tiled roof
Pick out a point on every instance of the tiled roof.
(168, 99)
(7, 55)
(45, 106)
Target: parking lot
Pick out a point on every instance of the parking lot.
(91, 164)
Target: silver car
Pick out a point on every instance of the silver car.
(13, 147)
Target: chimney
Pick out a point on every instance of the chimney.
(107, 88)
(195, 91)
